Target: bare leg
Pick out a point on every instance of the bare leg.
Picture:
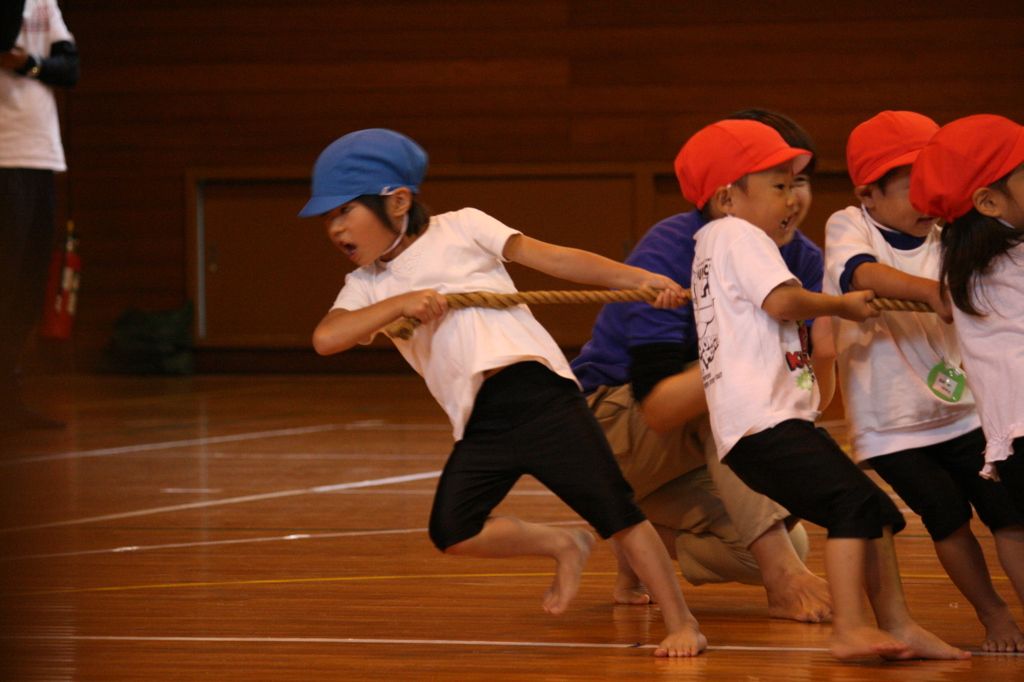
(503, 536)
(853, 636)
(628, 587)
(1010, 547)
(645, 552)
(964, 561)
(885, 590)
(793, 591)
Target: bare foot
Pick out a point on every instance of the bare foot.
(803, 596)
(629, 590)
(919, 643)
(1002, 634)
(865, 642)
(685, 642)
(568, 566)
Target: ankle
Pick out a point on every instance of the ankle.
(780, 575)
(994, 614)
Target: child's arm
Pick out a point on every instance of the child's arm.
(888, 282)
(341, 329)
(823, 359)
(674, 401)
(585, 267)
(792, 302)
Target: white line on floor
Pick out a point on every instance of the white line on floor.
(230, 500)
(241, 541)
(167, 445)
(214, 543)
(410, 642)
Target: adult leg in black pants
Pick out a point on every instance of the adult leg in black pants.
(27, 226)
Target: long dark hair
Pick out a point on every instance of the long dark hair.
(970, 245)
(419, 215)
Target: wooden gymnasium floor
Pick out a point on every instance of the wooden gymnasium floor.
(272, 528)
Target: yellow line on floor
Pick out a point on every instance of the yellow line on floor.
(285, 581)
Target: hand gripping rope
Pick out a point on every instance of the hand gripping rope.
(403, 329)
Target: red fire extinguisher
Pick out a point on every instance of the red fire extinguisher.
(62, 289)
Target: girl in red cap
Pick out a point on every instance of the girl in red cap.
(971, 174)
(909, 414)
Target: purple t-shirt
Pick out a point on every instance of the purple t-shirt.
(667, 249)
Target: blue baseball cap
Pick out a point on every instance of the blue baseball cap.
(373, 161)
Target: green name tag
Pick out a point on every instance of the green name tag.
(946, 382)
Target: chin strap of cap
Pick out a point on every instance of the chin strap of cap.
(387, 191)
(401, 233)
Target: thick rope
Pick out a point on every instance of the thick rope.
(403, 329)
(897, 305)
(485, 299)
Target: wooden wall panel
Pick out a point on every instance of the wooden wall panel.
(267, 277)
(173, 85)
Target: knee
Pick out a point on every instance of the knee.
(448, 543)
(442, 532)
(449, 534)
(865, 511)
(943, 526)
(705, 558)
(458, 549)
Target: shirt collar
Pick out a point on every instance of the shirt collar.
(896, 239)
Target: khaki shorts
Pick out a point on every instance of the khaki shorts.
(651, 461)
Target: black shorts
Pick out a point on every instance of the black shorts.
(940, 482)
(529, 420)
(1011, 473)
(809, 474)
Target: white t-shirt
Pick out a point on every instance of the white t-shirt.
(885, 362)
(29, 129)
(993, 354)
(756, 369)
(460, 251)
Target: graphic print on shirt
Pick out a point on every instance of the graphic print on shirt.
(704, 316)
(800, 362)
(38, 22)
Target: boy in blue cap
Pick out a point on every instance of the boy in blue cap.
(514, 404)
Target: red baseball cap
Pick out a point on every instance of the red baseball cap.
(965, 155)
(724, 152)
(886, 141)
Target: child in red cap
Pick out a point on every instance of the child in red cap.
(642, 376)
(762, 393)
(971, 173)
(909, 413)
(512, 399)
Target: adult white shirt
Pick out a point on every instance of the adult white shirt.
(884, 362)
(460, 251)
(756, 369)
(29, 128)
(993, 353)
